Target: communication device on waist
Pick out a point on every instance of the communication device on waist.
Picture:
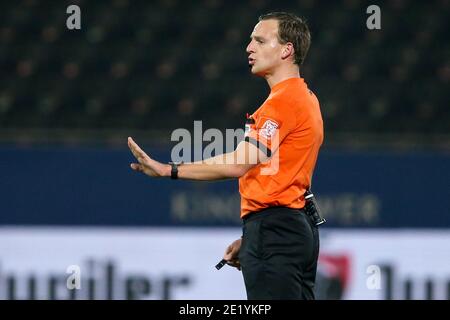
(312, 208)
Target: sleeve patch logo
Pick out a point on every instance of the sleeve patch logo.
(268, 129)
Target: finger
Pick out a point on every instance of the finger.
(233, 262)
(228, 256)
(136, 167)
(237, 265)
(230, 263)
(135, 149)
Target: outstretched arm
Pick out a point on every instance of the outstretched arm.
(229, 165)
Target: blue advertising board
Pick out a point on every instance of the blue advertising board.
(96, 187)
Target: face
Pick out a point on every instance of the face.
(264, 50)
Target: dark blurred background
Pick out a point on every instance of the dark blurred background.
(148, 67)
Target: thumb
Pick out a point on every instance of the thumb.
(228, 253)
(136, 166)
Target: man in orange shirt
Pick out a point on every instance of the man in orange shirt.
(279, 248)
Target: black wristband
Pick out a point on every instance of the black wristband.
(174, 171)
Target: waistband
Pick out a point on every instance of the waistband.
(268, 211)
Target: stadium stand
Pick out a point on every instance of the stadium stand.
(162, 64)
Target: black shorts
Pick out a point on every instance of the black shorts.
(279, 253)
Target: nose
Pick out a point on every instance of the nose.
(250, 47)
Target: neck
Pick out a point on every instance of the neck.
(281, 74)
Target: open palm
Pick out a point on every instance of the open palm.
(146, 164)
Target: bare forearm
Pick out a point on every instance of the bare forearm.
(204, 171)
(224, 166)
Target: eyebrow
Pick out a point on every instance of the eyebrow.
(257, 38)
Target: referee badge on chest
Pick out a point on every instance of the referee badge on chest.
(268, 129)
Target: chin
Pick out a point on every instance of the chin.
(257, 72)
(261, 74)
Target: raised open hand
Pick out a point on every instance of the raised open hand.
(146, 164)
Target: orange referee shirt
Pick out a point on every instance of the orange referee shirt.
(289, 127)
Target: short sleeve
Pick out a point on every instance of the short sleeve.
(269, 127)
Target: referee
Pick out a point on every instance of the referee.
(279, 247)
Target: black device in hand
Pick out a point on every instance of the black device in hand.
(221, 264)
(312, 208)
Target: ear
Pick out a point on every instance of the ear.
(287, 51)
